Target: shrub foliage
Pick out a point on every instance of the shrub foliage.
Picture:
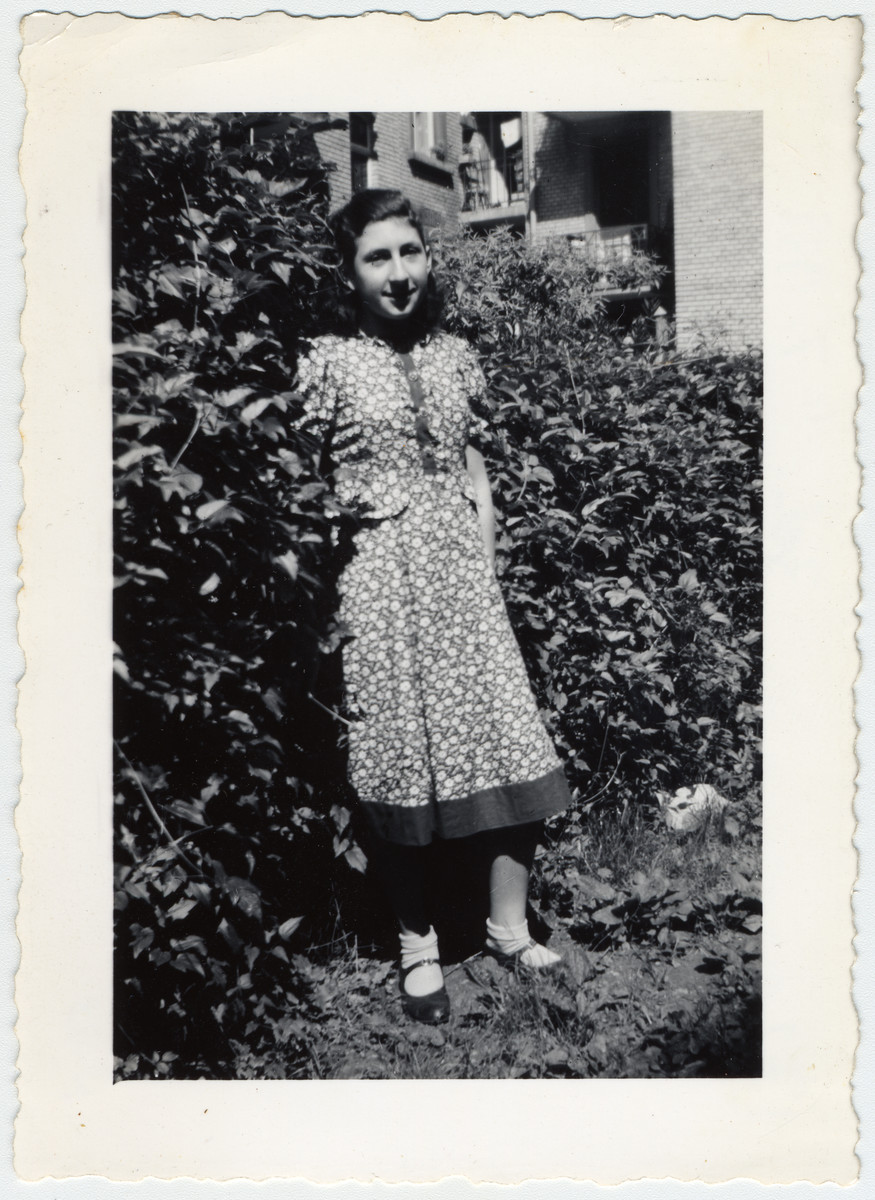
(627, 484)
(223, 596)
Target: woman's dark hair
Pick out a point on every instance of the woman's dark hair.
(373, 204)
(347, 226)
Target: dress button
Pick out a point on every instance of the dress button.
(413, 376)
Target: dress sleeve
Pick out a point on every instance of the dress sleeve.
(316, 392)
(479, 427)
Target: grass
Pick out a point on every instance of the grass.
(660, 978)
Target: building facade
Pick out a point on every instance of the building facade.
(686, 187)
(717, 180)
(416, 152)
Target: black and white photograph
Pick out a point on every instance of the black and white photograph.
(438, 600)
(438, 578)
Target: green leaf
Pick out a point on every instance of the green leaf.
(136, 454)
(229, 934)
(142, 940)
(180, 909)
(288, 927)
(255, 409)
(188, 963)
(179, 481)
(356, 859)
(205, 511)
(234, 396)
(244, 895)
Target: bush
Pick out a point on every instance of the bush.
(627, 486)
(629, 490)
(224, 594)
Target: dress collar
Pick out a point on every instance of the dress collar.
(425, 340)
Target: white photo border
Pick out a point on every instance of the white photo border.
(863, 701)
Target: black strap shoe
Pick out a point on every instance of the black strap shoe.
(431, 1009)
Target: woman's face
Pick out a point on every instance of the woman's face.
(390, 271)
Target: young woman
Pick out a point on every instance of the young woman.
(446, 740)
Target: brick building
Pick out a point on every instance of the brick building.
(685, 186)
(416, 152)
(717, 174)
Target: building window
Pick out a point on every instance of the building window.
(429, 136)
(362, 154)
(492, 165)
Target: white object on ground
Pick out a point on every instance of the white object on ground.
(690, 807)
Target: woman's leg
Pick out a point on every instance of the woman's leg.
(402, 869)
(511, 853)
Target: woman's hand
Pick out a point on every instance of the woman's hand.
(483, 499)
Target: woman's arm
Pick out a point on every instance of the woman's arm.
(483, 493)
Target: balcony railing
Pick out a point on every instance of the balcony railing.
(489, 183)
(613, 245)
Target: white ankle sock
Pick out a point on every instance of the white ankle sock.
(426, 979)
(516, 939)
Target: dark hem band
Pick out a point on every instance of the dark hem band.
(492, 808)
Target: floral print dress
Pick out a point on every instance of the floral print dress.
(445, 735)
